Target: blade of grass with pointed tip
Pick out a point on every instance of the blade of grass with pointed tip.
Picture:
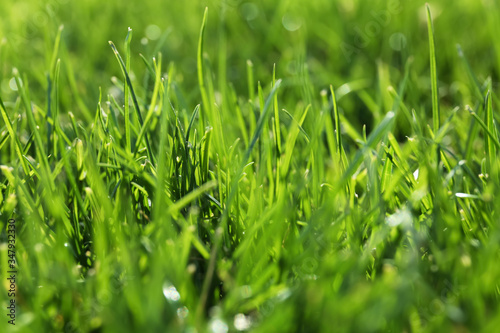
(276, 116)
(490, 138)
(148, 65)
(292, 137)
(494, 140)
(337, 123)
(191, 122)
(299, 123)
(201, 79)
(251, 90)
(475, 83)
(50, 78)
(56, 107)
(373, 139)
(55, 52)
(24, 92)
(134, 98)
(152, 105)
(434, 80)
(13, 137)
(128, 40)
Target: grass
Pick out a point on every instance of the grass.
(247, 166)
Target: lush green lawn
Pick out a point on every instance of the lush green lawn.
(267, 166)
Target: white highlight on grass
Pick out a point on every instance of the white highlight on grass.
(415, 174)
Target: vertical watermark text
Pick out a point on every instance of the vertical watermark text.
(11, 271)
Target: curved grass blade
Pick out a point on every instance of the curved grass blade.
(193, 117)
(201, 79)
(13, 136)
(491, 152)
(373, 139)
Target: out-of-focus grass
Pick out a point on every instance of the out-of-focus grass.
(290, 166)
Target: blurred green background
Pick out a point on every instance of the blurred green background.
(339, 41)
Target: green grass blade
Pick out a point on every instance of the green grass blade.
(191, 122)
(219, 233)
(491, 152)
(39, 145)
(206, 107)
(338, 132)
(492, 137)
(127, 88)
(373, 139)
(134, 98)
(14, 137)
(434, 79)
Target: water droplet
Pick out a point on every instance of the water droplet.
(153, 32)
(242, 322)
(397, 41)
(13, 84)
(39, 247)
(218, 326)
(171, 292)
(246, 291)
(182, 312)
(249, 11)
(402, 217)
(291, 22)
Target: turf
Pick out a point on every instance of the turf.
(225, 166)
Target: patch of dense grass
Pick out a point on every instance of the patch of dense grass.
(314, 166)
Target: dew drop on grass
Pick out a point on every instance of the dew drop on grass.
(397, 41)
(242, 322)
(153, 32)
(13, 84)
(249, 11)
(171, 293)
(218, 326)
(182, 312)
(115, 92)
(291, 22)
(400, 217)
(246, 291)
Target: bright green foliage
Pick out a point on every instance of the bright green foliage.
(286, 166)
